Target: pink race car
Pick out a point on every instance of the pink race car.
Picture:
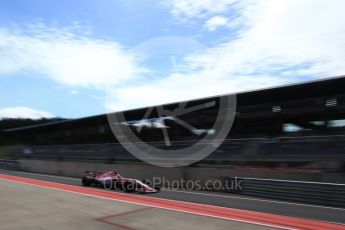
(113, 180)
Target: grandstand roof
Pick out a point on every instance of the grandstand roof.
(327, 87)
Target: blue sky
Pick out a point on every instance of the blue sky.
(83, 57)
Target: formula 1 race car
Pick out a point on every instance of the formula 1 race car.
(113, 180)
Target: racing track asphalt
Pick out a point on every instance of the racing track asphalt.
(329, 214)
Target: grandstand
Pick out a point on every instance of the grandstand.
(296, 124)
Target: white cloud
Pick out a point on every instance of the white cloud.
(64, 56)
(186, 9)
(215, 22)
(283, 41)
(73, 92)
(23, 112)
(285, 35)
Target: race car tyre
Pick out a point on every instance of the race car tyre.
(85, 181)
(108, 185)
